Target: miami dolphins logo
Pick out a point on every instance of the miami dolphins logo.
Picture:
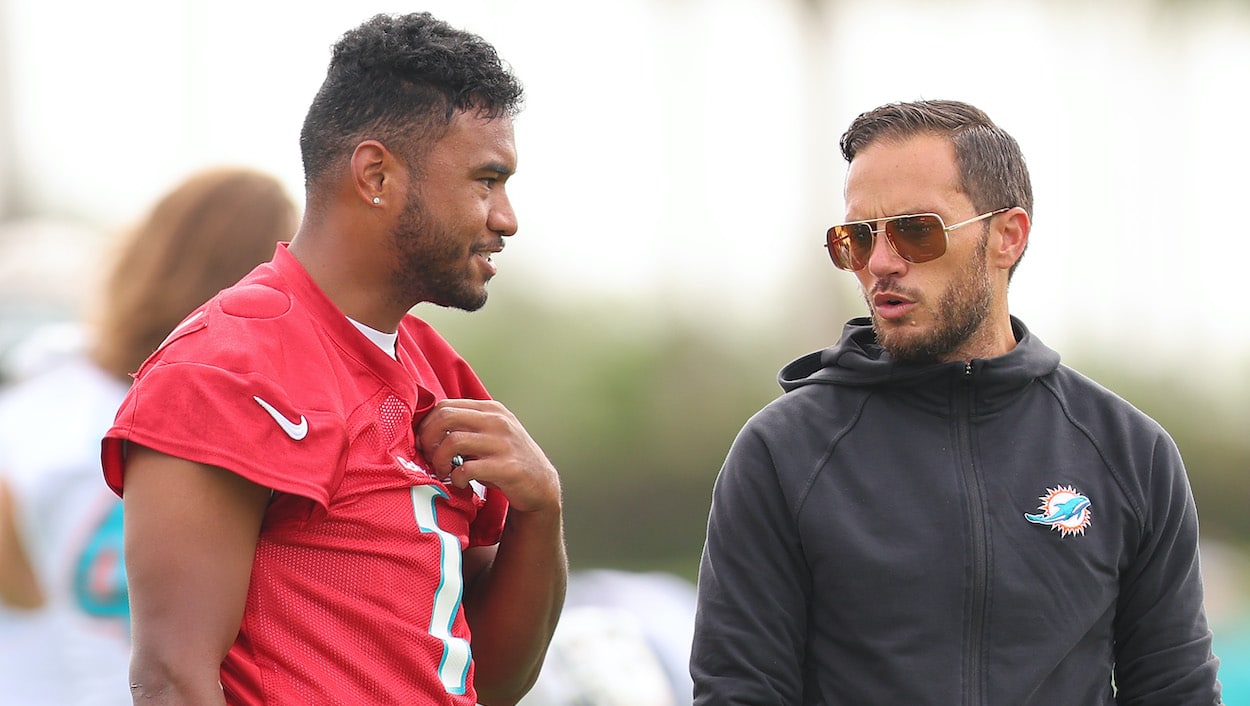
(99, 585)
(1062, 509)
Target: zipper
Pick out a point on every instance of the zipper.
(974, 639)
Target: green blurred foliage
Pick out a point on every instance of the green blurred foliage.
(638, 408)
(1209, 428)
(637, 413)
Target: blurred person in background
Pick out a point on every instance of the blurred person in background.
(937, 510)
(48, 269)
(623, 640)
(60, 525)
(323, 504)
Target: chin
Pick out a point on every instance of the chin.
(902, 342)
(465, 301)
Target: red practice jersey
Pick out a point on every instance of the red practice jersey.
(356, 588)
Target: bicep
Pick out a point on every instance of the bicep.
(190, 538)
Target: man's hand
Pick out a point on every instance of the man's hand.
(514, 600)
(495, 449)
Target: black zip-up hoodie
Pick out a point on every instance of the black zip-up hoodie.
(1002, 532)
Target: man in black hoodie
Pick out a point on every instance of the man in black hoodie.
(937, 511)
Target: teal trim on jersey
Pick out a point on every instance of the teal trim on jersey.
(453, 669)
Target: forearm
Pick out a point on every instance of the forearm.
(515, 603)
(156, 682)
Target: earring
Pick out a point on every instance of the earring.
(377, 200)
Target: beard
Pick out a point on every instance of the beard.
(961, 313)
(433, 263)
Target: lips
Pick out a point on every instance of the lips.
(487, 252)
(889, 305)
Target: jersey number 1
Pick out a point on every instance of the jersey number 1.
(453, 669)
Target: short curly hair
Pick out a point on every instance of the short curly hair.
(400, 79)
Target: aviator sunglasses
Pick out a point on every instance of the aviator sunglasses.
(916, 238)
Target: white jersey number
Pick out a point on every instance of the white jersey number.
(453, 670)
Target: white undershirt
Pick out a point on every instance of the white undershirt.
(385, 341)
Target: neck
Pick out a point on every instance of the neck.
(341, 256)
(994, 338)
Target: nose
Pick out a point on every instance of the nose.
(883, 260)
(502, 219)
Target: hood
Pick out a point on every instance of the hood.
(858, 360)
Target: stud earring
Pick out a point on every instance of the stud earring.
(377, 200)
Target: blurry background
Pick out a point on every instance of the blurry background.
(678, 167)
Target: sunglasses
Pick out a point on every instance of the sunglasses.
(915, 238)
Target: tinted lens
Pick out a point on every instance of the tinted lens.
(917, 238)
(850, 245)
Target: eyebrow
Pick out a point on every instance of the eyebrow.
(497, 167)
(893, 215)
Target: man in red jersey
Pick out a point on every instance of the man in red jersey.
(322, 504)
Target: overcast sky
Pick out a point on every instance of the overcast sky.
(683, 153)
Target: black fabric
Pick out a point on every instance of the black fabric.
(868, 541)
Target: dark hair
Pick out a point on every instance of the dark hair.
(992, 171)
(400, 79)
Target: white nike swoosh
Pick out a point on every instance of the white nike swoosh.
(293, 430)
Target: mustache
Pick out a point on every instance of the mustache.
(495, 245)
(890, 285)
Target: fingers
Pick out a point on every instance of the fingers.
(466, 440)
(468, 429)
(449, 416)
(457, 477)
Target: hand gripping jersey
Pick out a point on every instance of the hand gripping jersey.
(355, 595)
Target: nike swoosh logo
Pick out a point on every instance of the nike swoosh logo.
(293, 430)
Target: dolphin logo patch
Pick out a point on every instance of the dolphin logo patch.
(1064, 509)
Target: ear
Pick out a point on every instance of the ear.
(372, 171)
(1011, 235)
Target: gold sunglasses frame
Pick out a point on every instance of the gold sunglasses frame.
(829, 239)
